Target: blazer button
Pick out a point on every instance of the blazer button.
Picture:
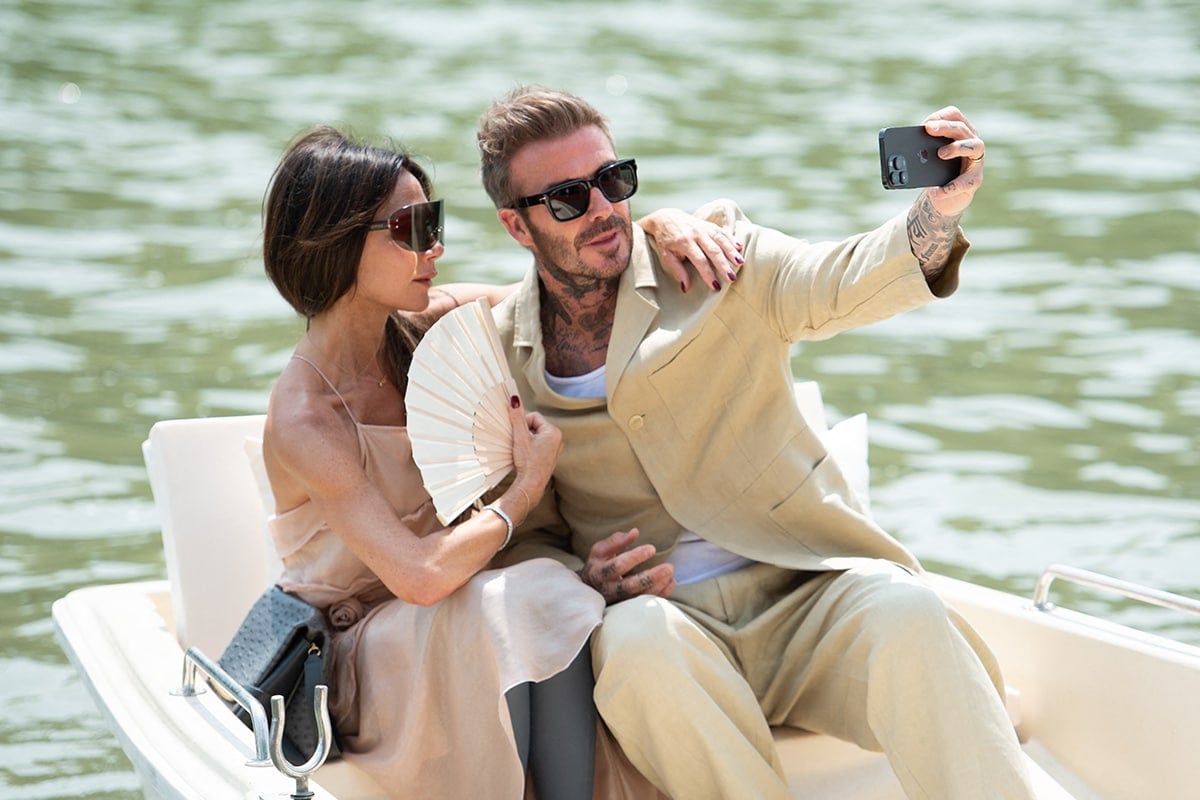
(636, 422)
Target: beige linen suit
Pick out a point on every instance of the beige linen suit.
(834, 631)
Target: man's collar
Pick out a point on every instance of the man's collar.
(527, 327)
(641, 262)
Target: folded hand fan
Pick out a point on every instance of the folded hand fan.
(459, 389)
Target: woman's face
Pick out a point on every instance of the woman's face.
(390, 273)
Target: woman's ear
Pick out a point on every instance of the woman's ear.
(514, 223)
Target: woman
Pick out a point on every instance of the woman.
(436, 667)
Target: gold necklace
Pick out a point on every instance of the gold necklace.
(380, 382)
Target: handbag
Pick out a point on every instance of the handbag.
(278, 650)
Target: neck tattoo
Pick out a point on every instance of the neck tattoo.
(576, 328)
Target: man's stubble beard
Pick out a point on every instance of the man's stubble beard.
(559, 258)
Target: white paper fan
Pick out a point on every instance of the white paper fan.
(459, 388)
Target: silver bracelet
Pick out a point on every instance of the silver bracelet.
(507, 521)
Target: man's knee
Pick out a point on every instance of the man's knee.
(634, 634)
(892, 605)
(632, 655)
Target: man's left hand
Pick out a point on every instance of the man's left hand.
(609, 563)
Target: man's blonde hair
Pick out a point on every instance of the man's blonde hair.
(525, 115)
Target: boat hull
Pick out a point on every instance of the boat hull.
(1103, 711)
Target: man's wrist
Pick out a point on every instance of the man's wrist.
(931, 237)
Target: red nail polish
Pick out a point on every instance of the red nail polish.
(515, 401)
(682, 286)
(716, 285)
(732, 276)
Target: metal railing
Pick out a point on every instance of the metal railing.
(268, 736)
(1041, 592)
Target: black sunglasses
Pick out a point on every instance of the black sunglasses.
(570, 199)
(417, 227)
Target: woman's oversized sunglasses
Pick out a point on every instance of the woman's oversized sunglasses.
(569, 200)
(417, 227)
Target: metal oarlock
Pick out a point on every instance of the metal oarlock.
(324, 740)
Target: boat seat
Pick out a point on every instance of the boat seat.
(219, 557)
(214, 541)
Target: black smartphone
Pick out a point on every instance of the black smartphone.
(908, 158)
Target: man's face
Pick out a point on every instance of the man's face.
(593, 246)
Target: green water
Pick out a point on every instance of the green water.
(1046, 413)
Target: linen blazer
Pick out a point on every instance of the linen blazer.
(699, 428)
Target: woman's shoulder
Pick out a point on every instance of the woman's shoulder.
(303, 406)
(307, 437)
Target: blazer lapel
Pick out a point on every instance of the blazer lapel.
(637, 309)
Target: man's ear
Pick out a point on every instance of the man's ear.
(514, 223)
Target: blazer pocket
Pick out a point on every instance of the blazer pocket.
(823, 515)
(702, 373)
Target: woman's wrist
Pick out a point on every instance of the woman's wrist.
(520, 501)
(512, 508)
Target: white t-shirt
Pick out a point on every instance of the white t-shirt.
(694, 559)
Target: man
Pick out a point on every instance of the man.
(761, 593)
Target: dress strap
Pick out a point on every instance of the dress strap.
(328, 383)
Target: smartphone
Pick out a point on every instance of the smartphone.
(908, 158)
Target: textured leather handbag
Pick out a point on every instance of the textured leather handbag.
(278, 650)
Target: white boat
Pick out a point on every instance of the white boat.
(1102, 710)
